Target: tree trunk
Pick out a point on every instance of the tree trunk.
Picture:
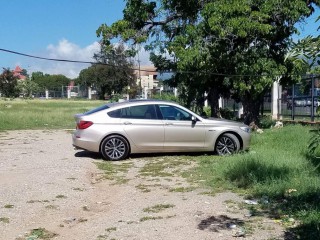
(213, 99)
(102, 92)
(251, 109)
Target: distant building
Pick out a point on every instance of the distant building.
(17, 72)
(147, 77)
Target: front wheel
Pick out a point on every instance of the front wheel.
(114, 148)
(227, 144)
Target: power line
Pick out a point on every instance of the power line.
(147, 70)
(67, 60)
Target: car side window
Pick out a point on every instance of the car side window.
(174, 113)
(135, 112)
(115, 113)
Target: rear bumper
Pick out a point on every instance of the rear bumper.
(80, 141)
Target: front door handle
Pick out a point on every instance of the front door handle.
(167, 123)
(127, 123)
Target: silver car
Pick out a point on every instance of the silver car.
(153, 126)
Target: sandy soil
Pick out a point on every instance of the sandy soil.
(45, 184)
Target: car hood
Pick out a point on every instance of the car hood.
(221, 121)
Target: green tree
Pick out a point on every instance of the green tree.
(220, 47)
(27, 87)
(8, 84)
(50, 82)
(112, 74)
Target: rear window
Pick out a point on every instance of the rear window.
(98, 109)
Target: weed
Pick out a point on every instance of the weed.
(71, 178)
(143, 219)
(143, 188)
(81, 220)
(158, 208)
(146, 188)
(41, 233)
(111, 229)
(182, 189)
(8, 206)
(78, 189)
(38, 201)
(165, 167)
(4, 219)
(55, 207)
(115, 171)
(85, 208)
(61, 196)
(276, 165)
(102, 237)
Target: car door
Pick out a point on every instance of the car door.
(181, 133)
(143, 127)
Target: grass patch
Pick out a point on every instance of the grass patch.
(42, 114)
(61, 196)
(38, 201)
(182, 189)
(158, 208)
(165, 166)
(4, 219)
(146, 188)
(8, 206)
(78, 189)
(115, 171)
(276, 168)
(143, 219)
(111, 229)
(53, 207)
(41, 233)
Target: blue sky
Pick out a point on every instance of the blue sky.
(55, 29)
(63, 29)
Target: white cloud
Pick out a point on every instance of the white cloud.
(67, 51)
(70, 51)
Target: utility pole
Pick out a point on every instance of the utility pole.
(140, 75)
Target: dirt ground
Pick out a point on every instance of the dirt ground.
(50, 191)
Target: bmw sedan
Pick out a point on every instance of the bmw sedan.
(152, 126)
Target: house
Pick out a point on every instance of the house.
(147, 77)
(18, 72)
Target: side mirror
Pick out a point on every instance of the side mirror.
(194, 119)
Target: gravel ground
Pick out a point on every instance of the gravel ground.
(46, 185)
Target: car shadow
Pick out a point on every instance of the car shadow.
(191, 154)
(87, 154)
(98, 156)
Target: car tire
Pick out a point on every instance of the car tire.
(227, 144)
(114, 148)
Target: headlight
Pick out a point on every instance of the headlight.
(246, 129)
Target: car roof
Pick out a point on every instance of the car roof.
(134, 101)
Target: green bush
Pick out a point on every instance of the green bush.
(226, 113)
(266, 122)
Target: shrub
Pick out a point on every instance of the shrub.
(266, 122)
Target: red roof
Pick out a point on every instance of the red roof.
(17, 73)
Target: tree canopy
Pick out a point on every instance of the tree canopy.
(8, 83)
(47, 81)
(111, 75)
(221, 47)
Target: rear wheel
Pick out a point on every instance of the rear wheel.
(114, 148)
(227, 144)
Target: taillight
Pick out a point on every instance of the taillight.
(84, 124)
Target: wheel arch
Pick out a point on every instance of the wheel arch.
(115, 134)
(235, 134)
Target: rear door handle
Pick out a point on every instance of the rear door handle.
(167, 123)
(127, 123)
